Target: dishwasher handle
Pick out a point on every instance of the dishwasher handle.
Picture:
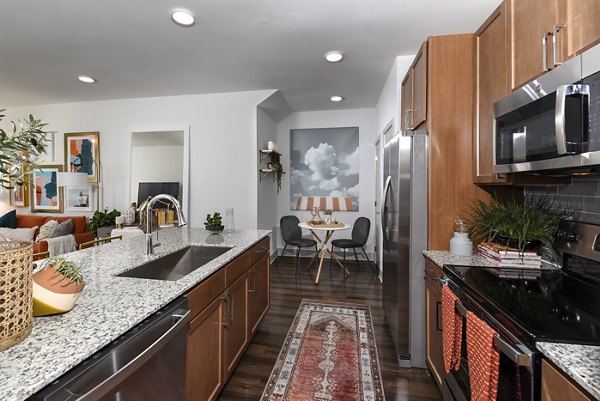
(180, 318)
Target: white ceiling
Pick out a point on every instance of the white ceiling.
(134, 49)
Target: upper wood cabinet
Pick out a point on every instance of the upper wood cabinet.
(558, 29)
(414, 92)
(492, 82)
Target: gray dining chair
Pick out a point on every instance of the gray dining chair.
(360, 235)
(291, 234)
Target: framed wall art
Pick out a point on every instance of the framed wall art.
(18, 195)
(46, 196)
(79, 199)
(82, 154)
(324, 168)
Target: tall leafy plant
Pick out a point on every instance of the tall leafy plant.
(533, 219)
(20, 145)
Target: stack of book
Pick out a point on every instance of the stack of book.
(504, 256)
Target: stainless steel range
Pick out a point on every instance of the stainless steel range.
(526, 307)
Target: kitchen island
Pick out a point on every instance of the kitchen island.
(109, 305)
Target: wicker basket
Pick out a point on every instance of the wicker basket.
(15, 292)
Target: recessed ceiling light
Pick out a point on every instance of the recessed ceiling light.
(336, 98)
(334, 56)
(86, 79)
(183, 17)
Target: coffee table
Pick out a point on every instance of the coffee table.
(327, 230)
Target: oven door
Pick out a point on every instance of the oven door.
(518, 376)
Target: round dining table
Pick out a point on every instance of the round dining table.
(326, 231)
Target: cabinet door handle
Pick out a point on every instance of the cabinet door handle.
(230, 308)
(438, 326)
(224, 319)
(545, 51)
(262, 249)
(253, 273)
(555, 30)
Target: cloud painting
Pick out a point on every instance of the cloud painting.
(324, 164)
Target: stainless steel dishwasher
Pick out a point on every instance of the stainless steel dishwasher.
(145, 364)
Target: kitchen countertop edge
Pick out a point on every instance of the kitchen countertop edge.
(579, 362)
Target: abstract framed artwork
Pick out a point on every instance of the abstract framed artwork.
(324, 168)
(82, 154)
(46, 196)
(78, 199)
(18, 195)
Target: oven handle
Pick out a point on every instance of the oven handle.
(559, 118)
(518, 357)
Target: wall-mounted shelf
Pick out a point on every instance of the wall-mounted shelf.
(271, 156)
(265, 152)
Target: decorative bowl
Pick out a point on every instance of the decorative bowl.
(215, 230)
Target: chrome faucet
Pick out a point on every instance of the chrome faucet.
(180, 218)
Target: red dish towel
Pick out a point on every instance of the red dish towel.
(452, 324)
(482, 358)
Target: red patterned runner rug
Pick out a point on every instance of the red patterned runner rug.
(329, 354)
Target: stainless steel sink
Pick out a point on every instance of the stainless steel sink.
(176, 265)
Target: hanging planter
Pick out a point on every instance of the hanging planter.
(278, 173)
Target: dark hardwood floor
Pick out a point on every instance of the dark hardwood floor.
(289, 285)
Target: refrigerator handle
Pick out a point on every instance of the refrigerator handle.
(382, 214)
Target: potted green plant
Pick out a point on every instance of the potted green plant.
(214, 223)
(20, 145)
(102, 219)
(520, 225)
(277, 168)
(56, 287)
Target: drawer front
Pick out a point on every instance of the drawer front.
(236, 268)
(205, 292)
(433, 274)
(259, 250)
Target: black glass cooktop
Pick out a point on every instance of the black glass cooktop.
(537, 305)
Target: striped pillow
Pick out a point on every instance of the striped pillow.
(46, 230)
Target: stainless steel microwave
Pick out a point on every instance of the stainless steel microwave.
(552, 124)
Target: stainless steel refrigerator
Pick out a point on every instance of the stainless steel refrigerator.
(404, 230)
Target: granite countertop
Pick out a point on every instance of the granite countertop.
(108, 307)
(580, 362)
(442, 258)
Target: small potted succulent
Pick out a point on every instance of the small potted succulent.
(328, 216)
(56, 287)
(214, 223)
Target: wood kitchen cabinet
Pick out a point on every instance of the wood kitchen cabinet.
(433, 311)
(492, 82)
(414, 92)
(449, 125)
(235, 333)
(258, 294)
(204, 353)
(556, 386)
(226, 311)
(571, 24)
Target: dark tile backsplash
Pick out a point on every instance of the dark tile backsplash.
(582, 197)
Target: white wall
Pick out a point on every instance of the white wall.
(267, 188)
(155, 164)
(366, 120)
(222, 145)
(388, 104)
